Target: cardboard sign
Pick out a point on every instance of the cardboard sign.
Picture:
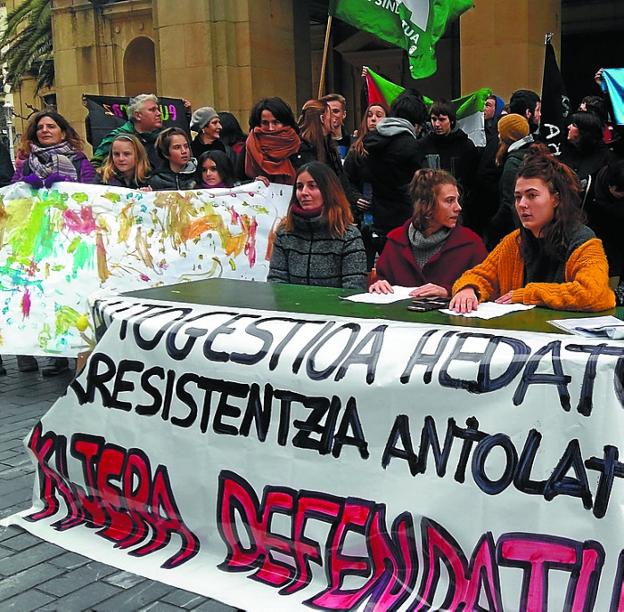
(278, 461)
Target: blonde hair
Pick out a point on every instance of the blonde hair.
(142, 166)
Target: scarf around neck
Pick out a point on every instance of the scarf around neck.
(56, 159)
(425, 247)
(268, 154)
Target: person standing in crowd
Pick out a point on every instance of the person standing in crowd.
(449, 148)
(50, 151)
(338, 110)
(144, 122)
(316, 140)
(232, 134)
(272, 146)
(317, 243)
(215, 170)
(430, 250)
(553, 260)
(393, 153)
(584, 150)
(175, 149)
(126, 165)
(360, 180)
(527, 103)
(515, 141)
(207, 123)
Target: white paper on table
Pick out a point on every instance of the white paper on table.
(400, 293)
(490, 310)
(592, 327)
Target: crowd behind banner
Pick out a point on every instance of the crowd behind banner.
(407, 198)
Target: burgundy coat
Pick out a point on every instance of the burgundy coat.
(462, 250)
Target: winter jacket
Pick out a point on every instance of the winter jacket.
(84, 170)
(310, 255)
(168, 180)
(462, 250)
(198, 147)
(586, 162)
(119, 180)
(393, 157)
(585, 286)
(147, 139)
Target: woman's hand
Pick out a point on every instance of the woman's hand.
(464, 301)
(146, 188)
(429, 290)
(505, 299)
(263, 179)
(598, 77)
(381, 286)
(364, 71)
(363, 204)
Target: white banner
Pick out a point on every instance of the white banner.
(280, 461)
(59, 245)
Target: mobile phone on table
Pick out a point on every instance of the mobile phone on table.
(426, 304)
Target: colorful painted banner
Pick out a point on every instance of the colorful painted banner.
(58, 246)
(280, 461)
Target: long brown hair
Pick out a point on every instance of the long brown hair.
(142, 166)
(561, 180)
(30, 135)
(336, 209)
(358, 145)
(311, 126)
(423, 191)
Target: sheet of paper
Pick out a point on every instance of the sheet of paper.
(491, 310)
(592, 327)
(400, 293)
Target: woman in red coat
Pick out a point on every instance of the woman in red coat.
(430, 251)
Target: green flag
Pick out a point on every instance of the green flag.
(413, 25)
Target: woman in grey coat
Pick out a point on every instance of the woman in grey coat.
(317, 243)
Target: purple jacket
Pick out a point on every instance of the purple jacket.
(462, 250)
(84, 169)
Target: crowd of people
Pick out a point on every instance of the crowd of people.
(407, 199)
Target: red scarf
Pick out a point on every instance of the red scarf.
(268, 153)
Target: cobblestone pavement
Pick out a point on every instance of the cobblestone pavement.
(36, 575)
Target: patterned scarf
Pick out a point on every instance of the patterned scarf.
(268, 153)
(58, 158)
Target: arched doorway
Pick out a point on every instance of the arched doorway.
(140, 67)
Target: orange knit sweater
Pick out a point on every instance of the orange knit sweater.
(586, 285)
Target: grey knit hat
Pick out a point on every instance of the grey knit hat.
(201, 117)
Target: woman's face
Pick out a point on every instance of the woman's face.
(535, 204)
(447, 209)
(307, 192)
(268, 122)
(573, 133)
(373, 116)
(124, 157)
(48, 132)
(178, 151)
(212, 130)
(210, 174)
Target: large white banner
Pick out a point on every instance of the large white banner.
(59, 245)
(280, 461)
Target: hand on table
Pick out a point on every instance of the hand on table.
(429, 290)
(381, 286)
(464, 301)
(504, 299)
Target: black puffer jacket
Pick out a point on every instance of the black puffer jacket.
(168, 180)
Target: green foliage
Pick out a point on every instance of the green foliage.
(27, 43)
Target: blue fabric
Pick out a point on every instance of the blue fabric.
(613, 83)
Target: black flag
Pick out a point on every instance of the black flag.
(555, 103)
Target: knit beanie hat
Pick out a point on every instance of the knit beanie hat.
(201, 117)
(512, 127)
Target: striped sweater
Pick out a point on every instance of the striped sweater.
(310, 255)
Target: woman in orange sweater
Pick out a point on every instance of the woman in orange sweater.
(553, 260)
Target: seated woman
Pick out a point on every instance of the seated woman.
(272, 146)
(553, 260)
(430, 250)
(317, 243)
(216, 170)
(126, 164)
(174, 147)
(51, 151)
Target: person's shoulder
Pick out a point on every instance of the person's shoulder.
(352, 231)
(399, 234)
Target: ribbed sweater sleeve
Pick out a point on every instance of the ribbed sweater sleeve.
(353, 260)
(586, 287)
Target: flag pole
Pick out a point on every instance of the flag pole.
(321, 87)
